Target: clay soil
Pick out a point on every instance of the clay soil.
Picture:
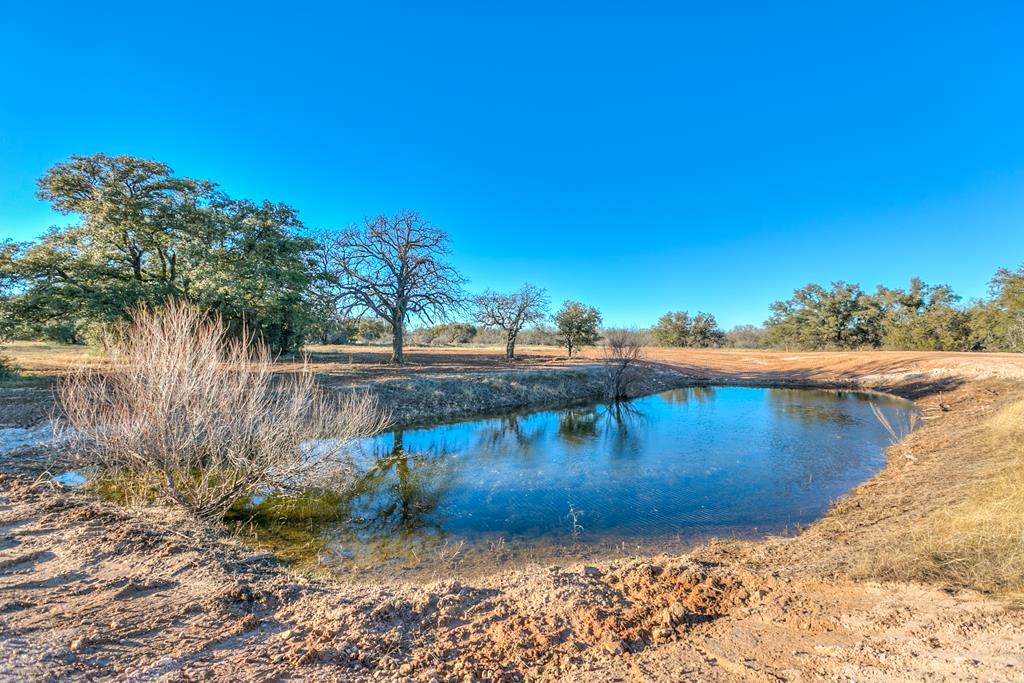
(92, 591)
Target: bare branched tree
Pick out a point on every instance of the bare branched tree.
(511, 312)
(393, 266)
(624, 351)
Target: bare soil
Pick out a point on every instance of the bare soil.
(92, 591)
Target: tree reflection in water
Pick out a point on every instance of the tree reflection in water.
(681, 464)
(393, 504)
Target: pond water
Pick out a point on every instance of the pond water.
(658, 473)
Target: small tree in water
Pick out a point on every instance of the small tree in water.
(201, 419)
(577, 325)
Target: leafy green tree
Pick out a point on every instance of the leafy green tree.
(577, 325)
(679, 329)
(257, 272)
(704, 332)
(841, 317)
(673, 329)
(371, 329)
(923, 318)
(145, 235)
(998, 324)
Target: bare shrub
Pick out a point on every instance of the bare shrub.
(623, 350)
(202, 417)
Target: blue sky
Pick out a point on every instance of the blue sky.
(642, 157)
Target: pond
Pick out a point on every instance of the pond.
(659, 473)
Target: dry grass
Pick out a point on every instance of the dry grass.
(979, 542)
(199, 418)
(954, 516)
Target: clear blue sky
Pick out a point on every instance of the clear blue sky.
(638, 156)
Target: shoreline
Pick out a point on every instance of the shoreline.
(730, 610)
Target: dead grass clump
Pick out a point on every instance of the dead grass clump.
(201, 419)
(979, 542)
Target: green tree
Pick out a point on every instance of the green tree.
(145, 235)
(841, 317)
(679, 329)
(998, 324)
(673, 329)
(923, 318)
(704, 332)
(577, 325)
(257, 272)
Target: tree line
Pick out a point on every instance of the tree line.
(142, 236)
(921, 317)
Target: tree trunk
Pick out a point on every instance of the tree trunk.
(397, 344)
(510, 347)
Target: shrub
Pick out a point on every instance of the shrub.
(624, 350)
(6, 366)
(202, 417)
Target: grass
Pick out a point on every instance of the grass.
(979, 542)
(972, 533)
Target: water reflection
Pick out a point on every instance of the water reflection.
(680, 465)
(394, 503)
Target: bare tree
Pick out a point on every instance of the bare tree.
(624, 351)
(393, 266)
(511, 312)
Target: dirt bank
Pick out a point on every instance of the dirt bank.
(93, 591)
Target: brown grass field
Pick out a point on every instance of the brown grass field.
(916, 575)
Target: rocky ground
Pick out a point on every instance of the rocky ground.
(92, 591)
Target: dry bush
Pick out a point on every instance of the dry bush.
(201, 416)
(623, 349)
(978, 542)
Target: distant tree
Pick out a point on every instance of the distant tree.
(673, 329)
(394, 267)
(998, 324)
(818, 318)
(540, 335)
(923, 318)
(511, 312)
(704, 332)
(445, 334)
(371, 329)
(577, 325)
(679, 329)
(745, 337)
